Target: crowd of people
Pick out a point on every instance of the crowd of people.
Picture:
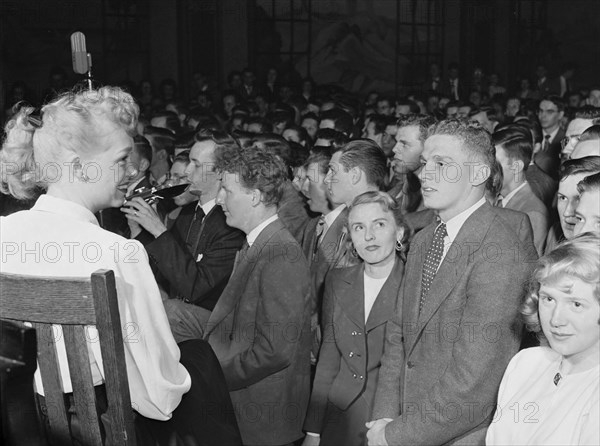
(340, 270)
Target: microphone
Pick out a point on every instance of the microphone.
(79, 53)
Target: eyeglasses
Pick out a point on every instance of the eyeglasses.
(567, 139)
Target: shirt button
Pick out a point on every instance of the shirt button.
(354, 376)
(353, 333)
(360, 377)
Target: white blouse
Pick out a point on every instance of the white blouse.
(532, 410)
(59, 238)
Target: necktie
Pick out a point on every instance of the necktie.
(546, 144)
(240, 255)
(193, 234)
(319, 231)
(432, 261)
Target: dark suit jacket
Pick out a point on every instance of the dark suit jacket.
(442, 368)
(525, 201)
(542, 184)
(351, 352)
(549, 160)
(332, 253)
(446, 89)
(200, 282)
(260, 331)
(292, 211)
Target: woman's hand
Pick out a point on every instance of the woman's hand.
(140, 212)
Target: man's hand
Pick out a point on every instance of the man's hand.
(376, 432)
(140, 212)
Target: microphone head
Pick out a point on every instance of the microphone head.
(79, 53)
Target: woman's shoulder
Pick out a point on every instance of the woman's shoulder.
(345, 273)
(534, 358)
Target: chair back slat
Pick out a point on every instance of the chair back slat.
(109, 328)
(83, 387)
(66, 300)
(75, 303)
(56, 411)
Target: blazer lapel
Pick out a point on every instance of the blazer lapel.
(351, 295)
(334, 238)
(384, 305)
(235, 286)
(456, 261)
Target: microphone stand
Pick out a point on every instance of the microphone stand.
(89, 72)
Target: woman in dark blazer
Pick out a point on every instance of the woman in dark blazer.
(358, 302)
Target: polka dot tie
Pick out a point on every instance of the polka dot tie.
(432, 261)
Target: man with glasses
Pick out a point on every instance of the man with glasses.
(550, 113)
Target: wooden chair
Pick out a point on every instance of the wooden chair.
(73, 304)
(18, 352)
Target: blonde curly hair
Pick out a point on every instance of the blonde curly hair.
(71, 123)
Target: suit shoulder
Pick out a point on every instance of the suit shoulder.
(346, 273)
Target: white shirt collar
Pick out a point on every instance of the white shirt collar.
(455, 223)
(506, 199)
(553, 134)
(55, 205)
(207, 207)
(330, 218)
(253, 235)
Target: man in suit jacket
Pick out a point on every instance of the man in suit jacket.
(357, 167)
(457, 329)
(196, 255)
(550, 114)
(514, 155)
(260, 327)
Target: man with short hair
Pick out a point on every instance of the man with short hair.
(435, 387)
(550, 113)
(593, 98)
(514, 155)
(162, 142)
(260, 327)
(196, 255)
(587, 214)
(385, 106)
(357, 167)
(337, 119)
(410, 137)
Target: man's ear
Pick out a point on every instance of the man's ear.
(256, 197)
(161, 154)
(356, 174)
(518, 166)
(144, 165)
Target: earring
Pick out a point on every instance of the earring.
(398, 245)
(354, 253)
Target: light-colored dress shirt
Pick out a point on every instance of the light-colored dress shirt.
(532, 410)
(59, 238)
